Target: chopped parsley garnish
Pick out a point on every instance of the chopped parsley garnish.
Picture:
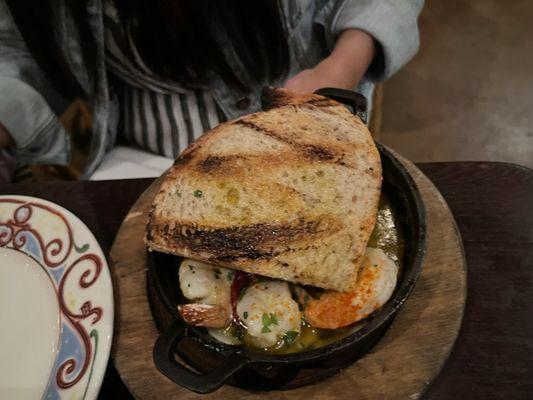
(178, 193)
(230, 276)
(245, 314)
(267, 321)
(197, 193)
(375, 265)
(265, 329)
(290, 336)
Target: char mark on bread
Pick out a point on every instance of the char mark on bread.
(252, 242)
(210, 163)
(268, 132)
(319, 153)
(310, 151)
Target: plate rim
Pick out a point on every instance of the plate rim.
(108, 301)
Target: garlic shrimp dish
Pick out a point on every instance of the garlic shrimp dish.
(287, 240)
(279, 317)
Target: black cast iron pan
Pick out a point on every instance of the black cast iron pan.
(216, 363)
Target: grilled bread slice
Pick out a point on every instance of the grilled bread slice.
(289, 193)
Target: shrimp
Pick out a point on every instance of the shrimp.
(375, 284)
(269, 313)
(209, 287)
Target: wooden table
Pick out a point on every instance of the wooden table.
(493, 206)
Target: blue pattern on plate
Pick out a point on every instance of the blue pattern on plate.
(70, 347)
(32, 246)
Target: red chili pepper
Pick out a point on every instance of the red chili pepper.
(240, 281)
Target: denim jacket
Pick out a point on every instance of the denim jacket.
(29, 106)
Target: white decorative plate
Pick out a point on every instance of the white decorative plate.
(56, 303)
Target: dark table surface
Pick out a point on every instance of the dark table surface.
(493, 206)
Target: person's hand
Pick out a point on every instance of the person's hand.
(325, 74)
(5, 138)
(343, 68)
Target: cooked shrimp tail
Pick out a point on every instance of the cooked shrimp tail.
(210, 316)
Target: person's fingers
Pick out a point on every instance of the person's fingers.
(303, 82)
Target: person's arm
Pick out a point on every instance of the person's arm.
(343, 68)
(28, 124)
(385, 30)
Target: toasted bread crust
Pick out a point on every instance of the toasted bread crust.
(290, 193)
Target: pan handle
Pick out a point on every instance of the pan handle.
(165, 362)
(356, 101)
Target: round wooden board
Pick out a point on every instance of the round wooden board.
(401, 366)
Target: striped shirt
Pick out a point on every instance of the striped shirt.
(156, 115)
